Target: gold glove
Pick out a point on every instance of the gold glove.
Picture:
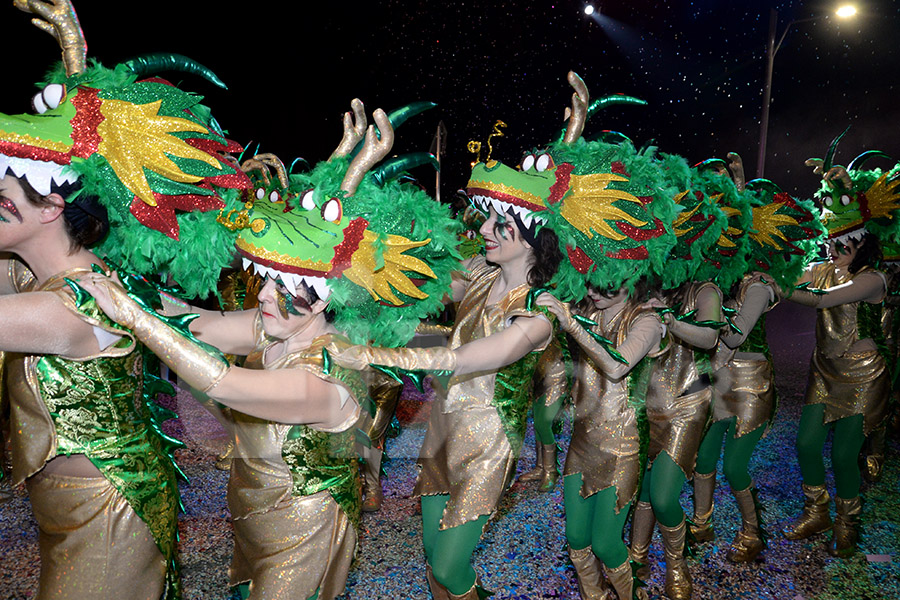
(359, 358)
(196, 367)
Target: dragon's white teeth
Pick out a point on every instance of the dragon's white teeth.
(320, 285)
(245, 262)
(527, 219)
(856, 236)
(290, 281)
(40, 174)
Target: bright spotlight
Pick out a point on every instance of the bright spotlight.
(589, 9)
(846, 11)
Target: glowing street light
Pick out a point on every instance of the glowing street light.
(845, 11)
(589, 9)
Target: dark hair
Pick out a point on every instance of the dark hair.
(547, 258)
(868, 254)
(85, 218)
(309, 295)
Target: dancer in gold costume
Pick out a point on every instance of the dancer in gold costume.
(294, 491)
(849, 379)
(848, 386)
(85, 439)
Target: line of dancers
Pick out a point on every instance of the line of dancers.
(639, 278)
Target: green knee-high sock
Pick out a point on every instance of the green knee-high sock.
(738, 452)
(607, 533)
(666, 481)
(579, 512)
(543, 419)
(848, 441)
(451, 558)
(811, 436)
(432, 511)
(711, 447)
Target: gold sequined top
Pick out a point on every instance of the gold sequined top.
(274, 461)
(837, 327)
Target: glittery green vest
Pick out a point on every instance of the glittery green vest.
(97, 408)
(327, 461)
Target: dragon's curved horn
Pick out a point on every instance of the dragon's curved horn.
(149, 64)
(838, 174)
(354, 129)
(613, 99)
(577, 115)
(373, 151)
(393, 167)
(817, 165)
(766, 185)
(736, 165)
(58, 18)
(829, 156)
(858, 162)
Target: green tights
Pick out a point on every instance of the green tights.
(449, 551)
(543, 420)
(738, 451)
(593, 522)
(845, 447)
(662, 489)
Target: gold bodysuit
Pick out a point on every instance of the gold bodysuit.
(103, 536)
(677, 410)
(294, 491)
(743, 381)
(847, 382)
(606, 440)
(476, 428)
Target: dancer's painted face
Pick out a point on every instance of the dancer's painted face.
(283, 313)
(503, 242)
(602, 299)
(842, 254)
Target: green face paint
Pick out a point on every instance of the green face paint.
(285, 301)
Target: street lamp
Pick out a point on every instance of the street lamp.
(844, 12)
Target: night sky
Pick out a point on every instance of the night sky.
(292, 71)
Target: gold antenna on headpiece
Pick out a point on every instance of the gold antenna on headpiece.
(58, 18)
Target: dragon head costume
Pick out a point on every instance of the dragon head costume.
(380, 250)
(151, 153)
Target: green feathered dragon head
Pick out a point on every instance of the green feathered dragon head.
(380, 250)
(150, 152)
(856, 200)
(586, 193)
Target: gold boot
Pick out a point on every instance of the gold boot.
(642, 523)
(814, 518)
(549, 474)
(538, 470)
(701, 525)
(371, 478)
(871, 457)
(223, 460)
(846, 527)
(438, 592)
(747, 543)
(476, 592)
(591, 582)
(678, 578)
(622, 580)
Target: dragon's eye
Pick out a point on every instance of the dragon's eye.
(829, 201)
(845, 200)
(274, 196)
(49, 98)
(543, 162)
(260, 193)
(332, 211)
(528, 162)
(307, 201)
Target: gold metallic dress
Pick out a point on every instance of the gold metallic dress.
(476, 428)
(606, 442)
(105, 536)
(847, 382)
(678, 405)
(743, 381)
(294, 491)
